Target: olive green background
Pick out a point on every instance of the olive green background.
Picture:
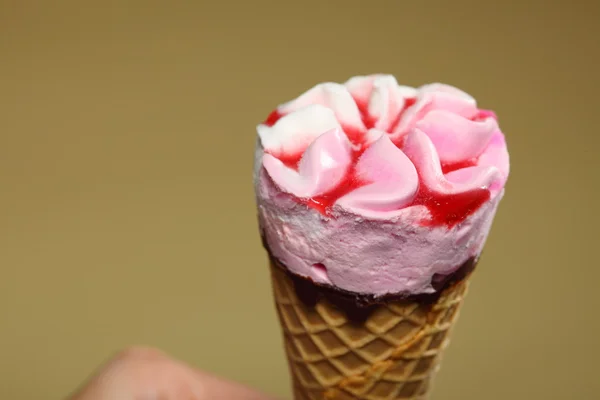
(126, 205)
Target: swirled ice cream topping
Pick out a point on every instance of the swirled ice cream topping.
(369, 145)
(370, 149)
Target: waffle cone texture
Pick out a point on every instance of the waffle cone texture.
(392, 354)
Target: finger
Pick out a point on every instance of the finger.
(143, 373)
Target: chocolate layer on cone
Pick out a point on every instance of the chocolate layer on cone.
(358, 306)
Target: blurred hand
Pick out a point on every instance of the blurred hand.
(148, 374)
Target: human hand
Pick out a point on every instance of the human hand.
(148, 374)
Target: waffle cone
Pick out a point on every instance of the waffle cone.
(393, 354)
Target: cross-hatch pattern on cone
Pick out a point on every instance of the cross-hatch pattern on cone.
(392, 355)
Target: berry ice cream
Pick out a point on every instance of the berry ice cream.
(376, 188)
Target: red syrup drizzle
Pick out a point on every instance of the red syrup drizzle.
(449, 167)
(272, 118)
(289, 160)
(408, 102)
(452, 209)
(349, 182)
(483, 115)
(449, 209)
(363, 108)
(444, 209)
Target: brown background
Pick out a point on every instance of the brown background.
(126, 205)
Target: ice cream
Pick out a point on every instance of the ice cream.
(374, 203)
(375, 188)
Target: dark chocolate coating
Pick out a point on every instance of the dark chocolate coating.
(358, 306)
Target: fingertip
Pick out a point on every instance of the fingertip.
(145, 372)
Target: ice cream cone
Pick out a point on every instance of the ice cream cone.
(374, 203)
(393, 353)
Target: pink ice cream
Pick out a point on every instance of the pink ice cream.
(375, 188)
